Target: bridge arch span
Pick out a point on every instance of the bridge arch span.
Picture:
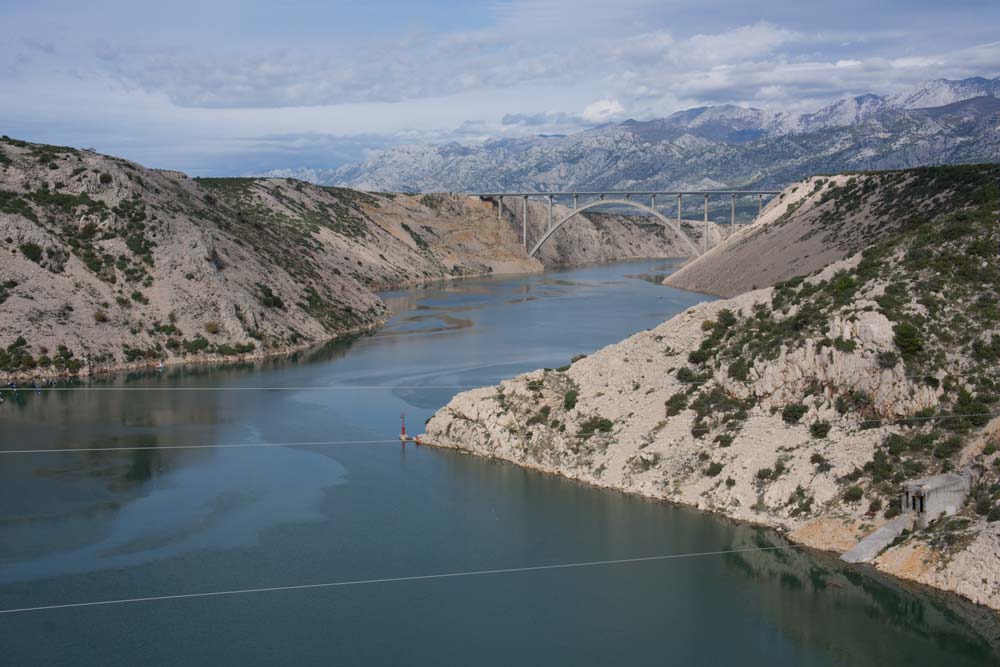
(672, 224)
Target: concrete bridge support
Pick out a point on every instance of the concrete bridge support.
(704, 236)
(524, 221)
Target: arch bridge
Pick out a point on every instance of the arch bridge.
(630, 199)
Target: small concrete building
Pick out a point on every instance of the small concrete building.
(929, 498)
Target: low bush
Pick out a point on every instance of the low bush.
(268, 298)
(569, 399)
(817, 459)
(820, 429)
(32, 251)
(676, 403)
(596, 425)
(540, 417)
(793, 412)
(887, 359)
(908, 339)
(724, 439)
(844, 345)
(698, 356)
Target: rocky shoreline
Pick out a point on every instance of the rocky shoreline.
(638, 454)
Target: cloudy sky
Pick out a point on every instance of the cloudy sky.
(226, 87)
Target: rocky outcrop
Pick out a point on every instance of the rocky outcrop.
(801, 406)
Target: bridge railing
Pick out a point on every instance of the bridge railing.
(628, 196)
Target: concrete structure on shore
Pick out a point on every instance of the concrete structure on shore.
(929, 498)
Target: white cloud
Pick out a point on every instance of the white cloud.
(526, 66)
(602, 111)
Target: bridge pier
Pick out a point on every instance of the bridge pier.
(732, 215)
(576, 204)
(705, 233)
(524, 221)
(760, 205)
(500, 208)
(550, 212)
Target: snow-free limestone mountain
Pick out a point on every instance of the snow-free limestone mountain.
(940, 122)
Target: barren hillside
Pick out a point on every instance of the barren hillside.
(819, 221)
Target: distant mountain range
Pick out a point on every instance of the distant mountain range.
(942, 121)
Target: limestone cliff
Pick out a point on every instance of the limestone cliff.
(801, 406)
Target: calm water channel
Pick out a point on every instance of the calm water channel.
(89, 526)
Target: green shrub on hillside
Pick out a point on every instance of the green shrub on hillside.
(793, 412)
(32, 251)
(569, 399)
(268, 298)
(908, 339)
(819, 429)
(676, 403)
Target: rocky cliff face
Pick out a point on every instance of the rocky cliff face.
(803, 405)
(105, 264)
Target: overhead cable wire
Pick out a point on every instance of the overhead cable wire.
(393, 580)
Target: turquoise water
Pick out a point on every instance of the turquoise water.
(90, 526)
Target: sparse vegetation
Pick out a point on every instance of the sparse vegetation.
(569, 399)
(793, 412)
(853, 494)
(819, 429)
(31, 251)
